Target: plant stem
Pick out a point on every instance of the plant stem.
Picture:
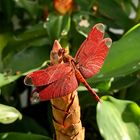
(66, 118)
(66, 110)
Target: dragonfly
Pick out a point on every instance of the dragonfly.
(63, 78)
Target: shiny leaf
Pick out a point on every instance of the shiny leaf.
(118, 119)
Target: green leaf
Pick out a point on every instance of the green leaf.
(25, 39)
(22, 126)
(118, 119)
(138, 13)
(85, 5)
(30, 6)
(133, 92)
(9, 114)
(123, 82)
(133, 28)
(86, 99)
(110, 9)
(123, 58)
(57, 26)
(22, 136)
(8, 8)
(26, 59)
(5, 79)
(104, 85)
(3, 42)
(21, 63)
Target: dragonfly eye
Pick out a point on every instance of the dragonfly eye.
(76, 62)
(61, 51)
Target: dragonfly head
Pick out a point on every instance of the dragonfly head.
(62, 52)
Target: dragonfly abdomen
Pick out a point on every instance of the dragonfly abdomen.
(82, 80)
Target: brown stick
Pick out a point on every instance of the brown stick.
(66, 111)
(66, 118)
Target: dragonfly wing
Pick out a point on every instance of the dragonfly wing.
(90, 44)
(48, 75)
(93, 51)
(60, 88)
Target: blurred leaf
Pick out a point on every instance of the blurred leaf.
(123, 82)
(126, 6)
(110, 16)
(133, 92)
(138, 13)
(7, 8)
(8, 114)
(89, 122)
(104, 85)
(123, 57)
(3, 42)
(118, 119)
(5, 79)
(22, 136)
(76, 39)
(30, 6)
(26, 59)
(85, 5)
(85, 97)
(26, 125)
(24, 40)
(62, 28)
(23, 62)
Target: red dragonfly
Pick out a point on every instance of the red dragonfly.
(63, 78)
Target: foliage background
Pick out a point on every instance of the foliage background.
(27, 31)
